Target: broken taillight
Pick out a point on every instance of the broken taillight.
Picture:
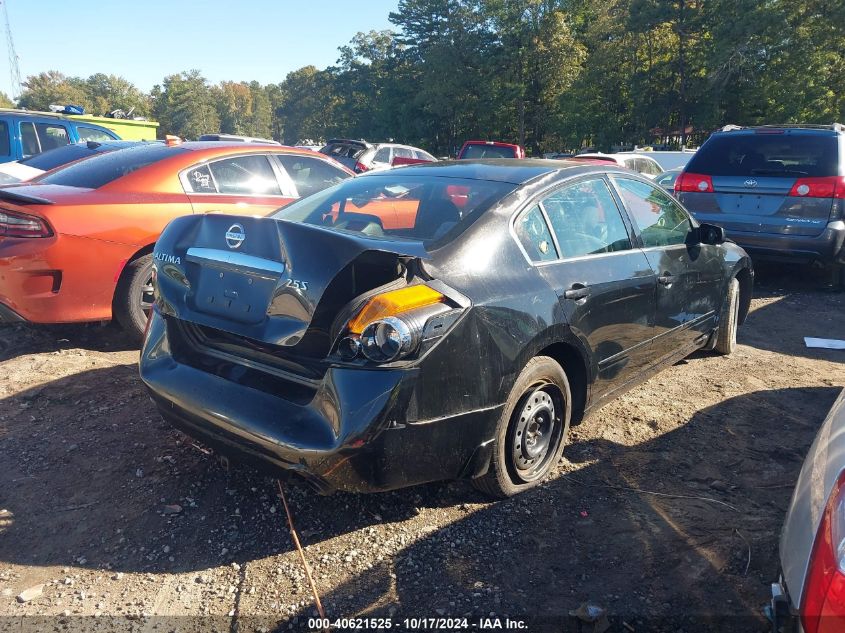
(823, 602)
(14, 224)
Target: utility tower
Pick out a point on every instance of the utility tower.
(14, 68)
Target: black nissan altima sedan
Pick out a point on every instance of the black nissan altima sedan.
(432, 322)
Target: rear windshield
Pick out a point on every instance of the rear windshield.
(104, 168)
(345, 150)
(425, 208)
(767, 155)
(488, 151)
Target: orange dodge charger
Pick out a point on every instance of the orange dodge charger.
(77, 243)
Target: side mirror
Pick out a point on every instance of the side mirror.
(711, 234)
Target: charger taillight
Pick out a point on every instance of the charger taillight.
(698, 183)
(13, 224)
(823, 601)
(823, 187)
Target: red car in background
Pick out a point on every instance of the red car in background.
(490, 149)
(77, 243)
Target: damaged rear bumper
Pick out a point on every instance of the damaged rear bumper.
(347, 431)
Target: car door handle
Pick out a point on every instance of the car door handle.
(577, 291)
(665, 280)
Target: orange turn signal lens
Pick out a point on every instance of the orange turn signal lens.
(392, 303)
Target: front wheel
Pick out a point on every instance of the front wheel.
(532, 431)
(729, 321)
(133, 298)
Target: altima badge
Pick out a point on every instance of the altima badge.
(235, 236)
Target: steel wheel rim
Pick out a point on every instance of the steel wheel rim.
(147, 295)
(536, 430)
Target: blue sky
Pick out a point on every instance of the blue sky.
(144, 40)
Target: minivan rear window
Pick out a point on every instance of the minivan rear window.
(488, 151)
(767, 155)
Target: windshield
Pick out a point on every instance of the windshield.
(103, 168)
(399, 204)
(766, 155)
(488, 151)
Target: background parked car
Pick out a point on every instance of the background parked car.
(361, 156)
(77, 244)
(24, 134)
(667, 179)
(812, 544)
(667, 159)
(490, 149)
(639, 163)
(32, 167)
(778, 190)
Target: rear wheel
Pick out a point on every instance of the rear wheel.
(729, 321)
(532, 431)
(133, 298)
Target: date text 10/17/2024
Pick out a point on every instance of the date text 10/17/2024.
(418, 624)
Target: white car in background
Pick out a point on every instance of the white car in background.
(640, 163)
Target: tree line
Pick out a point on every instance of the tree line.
(549, 74)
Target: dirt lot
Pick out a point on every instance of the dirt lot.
(90, 479)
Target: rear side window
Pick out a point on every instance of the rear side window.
(382, 155)
(534, 236)
(5, 149)
(198, 179)
(102, 169)
(767, 155)
(41, 137)
(92, 134)
(661, 220)
(586, 220)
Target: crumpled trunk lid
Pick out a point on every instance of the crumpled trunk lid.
(272, 281)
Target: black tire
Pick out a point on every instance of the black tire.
(133, 296)
(729, 321)
(542, 386)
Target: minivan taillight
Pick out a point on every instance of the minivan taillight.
(22, 225)
(360, 167)
(825, 187)
(823, 603)
(694, 182)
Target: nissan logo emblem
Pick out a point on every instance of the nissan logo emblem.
(750, 183)
(235, 236)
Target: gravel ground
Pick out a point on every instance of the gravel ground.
(665, 510)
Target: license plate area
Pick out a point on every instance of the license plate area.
(235, 295)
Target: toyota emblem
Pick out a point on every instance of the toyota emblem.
(750, 183)
(235, 236)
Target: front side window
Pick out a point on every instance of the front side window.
(534, 236)
(92, 134)
(245, 175)
(661, 220)
(399, 204)
(310, 175)
(586, 220)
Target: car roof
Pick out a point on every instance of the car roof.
(834, 129)
(516, 171)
